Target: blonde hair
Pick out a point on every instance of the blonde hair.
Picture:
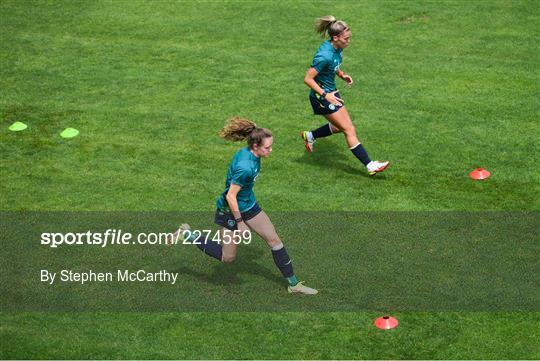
(237, 129)
(328, 25)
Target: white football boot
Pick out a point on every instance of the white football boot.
(309, 142)
(376, 166)
(300, 288)
(173, 237)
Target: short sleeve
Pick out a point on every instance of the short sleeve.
(319, 62)
(241, 176)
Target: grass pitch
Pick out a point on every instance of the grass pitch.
(440, 88)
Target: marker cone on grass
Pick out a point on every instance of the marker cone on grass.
(386, 323)
(17, 126)
(479, 174)
(69, 133)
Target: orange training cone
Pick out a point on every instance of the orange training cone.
(479, 174)
(386, 322)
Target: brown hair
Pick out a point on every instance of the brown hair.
(237, 129)
(328, 25)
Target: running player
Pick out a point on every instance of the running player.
(237, 209)
(324, 96)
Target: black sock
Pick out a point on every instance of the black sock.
(322, 132)
(209, 247)
(360, 153)
(284, 263)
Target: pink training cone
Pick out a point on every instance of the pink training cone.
(386, 322)
(479, 174)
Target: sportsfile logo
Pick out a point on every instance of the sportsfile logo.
(103, 239)
(119, 237)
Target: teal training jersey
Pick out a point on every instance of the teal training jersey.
(244, 169)
(326, 61)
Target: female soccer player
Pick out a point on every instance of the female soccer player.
(324, 96)
(237, 208)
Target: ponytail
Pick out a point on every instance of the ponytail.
(322, 24)
(329, 26)
(237, 129)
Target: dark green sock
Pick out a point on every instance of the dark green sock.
(293, 281)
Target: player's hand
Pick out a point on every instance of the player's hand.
(333, 99)
(348, 79)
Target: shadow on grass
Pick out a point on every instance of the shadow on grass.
(333, 155)
(228, 274)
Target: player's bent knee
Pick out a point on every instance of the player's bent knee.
(273, 241)
(351, 130)
(229, 254)
(228, 259)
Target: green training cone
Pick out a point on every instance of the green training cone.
(17, 126)
(69, 133)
